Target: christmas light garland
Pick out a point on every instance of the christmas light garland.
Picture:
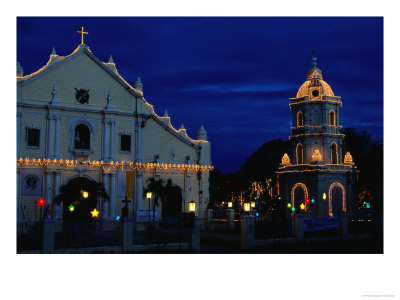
(108, 166)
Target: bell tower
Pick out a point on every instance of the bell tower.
(317, 168)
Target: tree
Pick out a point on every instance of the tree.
(368, 157)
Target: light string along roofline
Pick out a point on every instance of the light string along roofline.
(60, 58)
(108, 166)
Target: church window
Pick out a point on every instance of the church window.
(332, 118)
(299, 154)
(82, 137)
(334, 153)
(300, 119)
(33, 137)
(126, 143)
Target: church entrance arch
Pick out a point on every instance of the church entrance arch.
(79, 198)
(172, 202)
(298, 195)
(337, 199)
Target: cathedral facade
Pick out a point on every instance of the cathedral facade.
(318, 179)
(81, 125)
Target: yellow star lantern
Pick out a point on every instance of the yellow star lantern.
(95, 213)
(302, 206)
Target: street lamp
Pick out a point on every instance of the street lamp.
(230, 204)
(192, 206)
(246, 206)
(253, 204)
(148, 196)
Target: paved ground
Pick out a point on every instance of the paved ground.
(368, 246)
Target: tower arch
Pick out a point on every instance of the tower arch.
(334, 154)
(292, 194)
(332, 186)
(299, 154)
(300, 119)
(332, 120)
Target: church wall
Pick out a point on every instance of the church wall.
(157, 140)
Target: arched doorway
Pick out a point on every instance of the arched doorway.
(79, 197)
(337, 199)
(298, 195)
(172, 203)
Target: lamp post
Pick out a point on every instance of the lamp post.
(192, 206)
(246, 206)
(148, 196)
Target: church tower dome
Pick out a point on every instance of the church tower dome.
(314, 87)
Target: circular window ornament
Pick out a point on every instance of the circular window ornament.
(315, 93)
(82, 96)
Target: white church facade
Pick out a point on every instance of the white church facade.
(79, 121)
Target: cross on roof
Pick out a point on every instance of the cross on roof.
(82, 32)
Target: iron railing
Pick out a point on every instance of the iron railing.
(29, 236)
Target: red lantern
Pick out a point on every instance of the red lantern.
(307, 200)
(41, 202)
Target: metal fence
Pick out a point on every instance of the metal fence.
(361, 223)
(86, 233)
(265, 228)
(160, 232)
(219, 216)
(29, 236)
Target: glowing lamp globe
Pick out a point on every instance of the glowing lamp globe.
(148, 195)
(230, 204)
(192, 206)
(253, 204)
(324, 196)
(246, 206)
(85, 194)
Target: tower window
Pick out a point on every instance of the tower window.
(125, 143)
(334, 154)
(82, 137)
(300, 119)
(32, 137)
(299, 154)
(332, 118)
(315, 93)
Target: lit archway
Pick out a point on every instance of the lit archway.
(301, 185)
(333, 185)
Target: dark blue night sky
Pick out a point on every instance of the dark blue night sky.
(233, 75)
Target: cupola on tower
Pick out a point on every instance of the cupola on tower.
(318, 175)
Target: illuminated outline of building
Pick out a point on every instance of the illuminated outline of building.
(317, 165)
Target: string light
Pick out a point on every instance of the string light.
(108, 166)
(58, 58)
(299, 184)
(337, 184)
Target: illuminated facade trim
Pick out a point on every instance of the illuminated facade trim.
(303, 186)
(333, 185)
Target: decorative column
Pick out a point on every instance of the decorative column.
(18, 194)
(47, 195)
(57, 181)
(19, 134)
(105, 204)
(138, 191)
(113, 198)
(105, 140)
(112, 140)
(49, 136)
(57, 138)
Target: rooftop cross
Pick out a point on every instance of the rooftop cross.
(314, 59)
(82, 32)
